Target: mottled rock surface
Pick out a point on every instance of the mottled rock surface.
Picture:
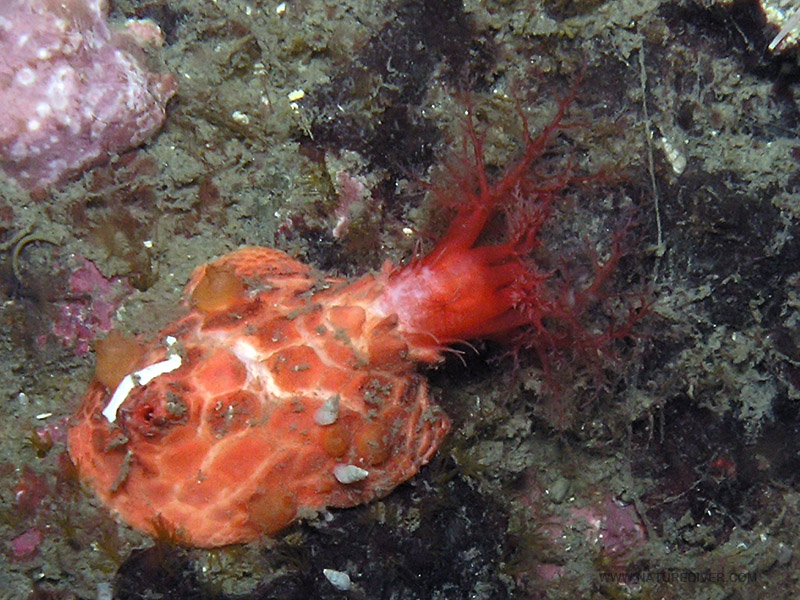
(78, 91)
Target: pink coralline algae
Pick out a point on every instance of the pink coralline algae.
(352, 192)
(25, 545)
(614, 530)
(89, 307)
(615, 527)
(74, 91)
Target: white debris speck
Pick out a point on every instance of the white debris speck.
(296, 95)
(349, 473)
(142, 377)
(44, 415)
(246, 352)
(281, 8)
(43, 109)
(339, 579)
(240, 117)
(328, 412)
(26, 76)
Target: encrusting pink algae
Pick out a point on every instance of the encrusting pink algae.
(75, 91)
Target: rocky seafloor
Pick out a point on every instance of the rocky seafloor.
(670, 470)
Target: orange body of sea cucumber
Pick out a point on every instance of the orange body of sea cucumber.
(293, 394)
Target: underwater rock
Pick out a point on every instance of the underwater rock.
(77, 92)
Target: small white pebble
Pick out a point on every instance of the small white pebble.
(296, 95)
(328, 412)
(339, 579)
(281, 8)
(349, 473)
(240, 117)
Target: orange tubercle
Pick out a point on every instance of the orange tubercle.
(271, 510)
(116, 356)
(218, 290)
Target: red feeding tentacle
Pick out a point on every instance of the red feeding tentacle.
(462, 290)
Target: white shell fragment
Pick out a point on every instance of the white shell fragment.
(328, 412)
(676, 158)
(339, 579)
(349, 473)
(142, 377)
